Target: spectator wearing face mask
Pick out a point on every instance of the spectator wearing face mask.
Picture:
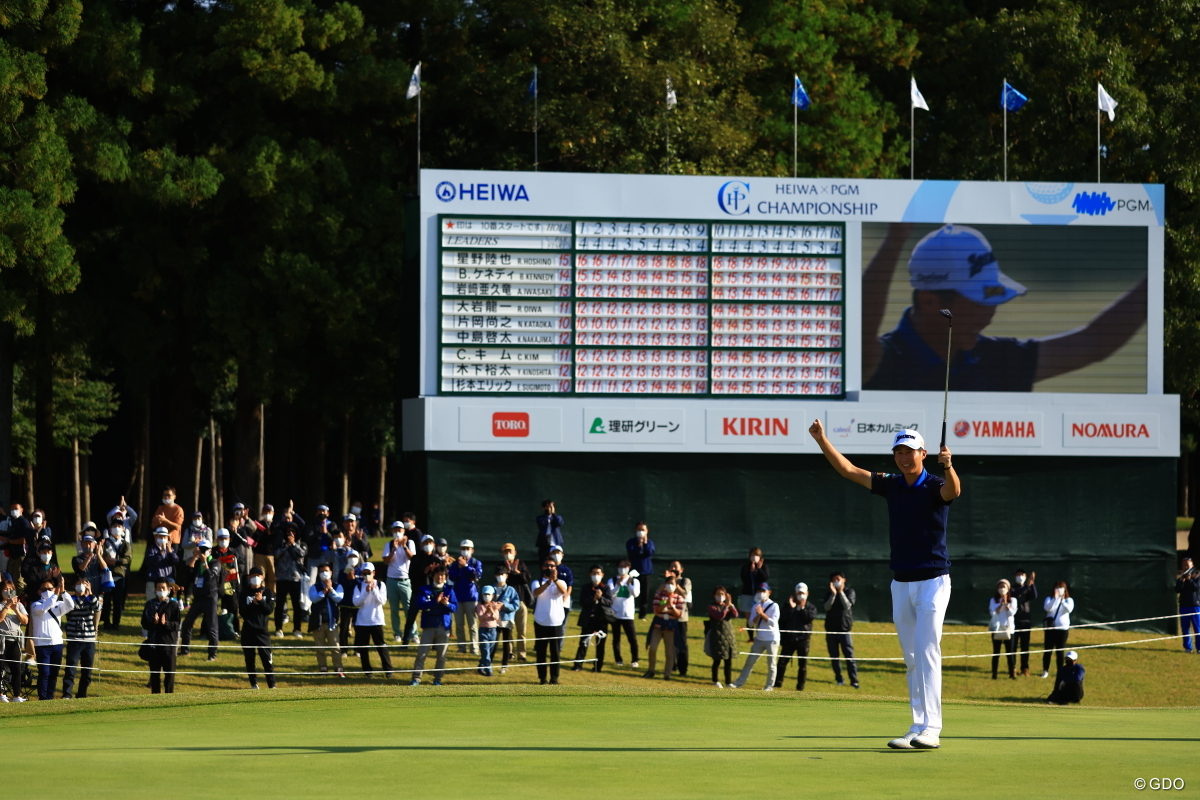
(348, 580)
(118, 555)
(754, 572)
(639, 551)
(509, 602)
(80, 628)
(567, 576)
(1068, 685)
(89, 529)
(1026, 594)
(264, 541)
(40, 525)
(256, 603)
(1058, 607)
(420, 572)
(123, 515)
(324, 598)
(47, 612)
(487, 610)
(160, 620)
(719, 639)
(1187, 586)
(839, 620)
(322, 532)
(18, 540)
(196, 531)
(464, 571)
(289, 566)
(764, 621)
(625, 589)
(668, 608)
(40, 567)
(1003, 609)
(13, 619)
(160, 562)
(436, 604)
(356, 538)
(370, 597)
(398, 555)
(519, 578)
(169, 515)
(595, 611)
(549, 526)
(205, 577)
(88, 564)
(239, 529)
(549, 617)
(795, 626)
(229, 581)
(683, 585)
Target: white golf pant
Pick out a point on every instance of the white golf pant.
(919, 609)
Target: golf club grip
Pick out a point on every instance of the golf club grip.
(943, 444)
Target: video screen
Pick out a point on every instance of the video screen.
(1032, 308)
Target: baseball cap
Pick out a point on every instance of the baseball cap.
(764, 587)
(801, 588)
(397, 524)
(45, 545)
(322, 507)
(349, 518)
(87, 537)
(223, 533)
(909, 438)
(1071, 654)
(467, 543)
(508, 546)
(197, 514)
(367, 567)
(489, 590)
(268, 507)
(426, 538)
(960, 259)
(442, 543)
(239, 506)
(556, 549)
(202, 543)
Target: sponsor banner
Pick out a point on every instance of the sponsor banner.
(480, 424)
(994, 430)
(873, 428)
(634, 426)
(1109, 430)
(752, 426)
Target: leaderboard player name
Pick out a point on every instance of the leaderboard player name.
(918, 510)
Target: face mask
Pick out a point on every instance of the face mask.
(622, 570)
(161, 594)
(356, 510)
(442, 550)
(268, 517)
(79, 588)
(801, 598)
(1058, 592)
(597, 578)
(168, 501)
(16, 512)
(501, 579)
(161, 543)
(37, 519)
(326, 575)
(8, 594)
(222, 544)
(509, 556)
(47, 594)
(427, 548)
(197, 523)
(720, 598)
(1020, 579)
(45, 557)
(669, 587)
(116, 533)
(368, 576)
(761, 597)
(408, 526)
(438, 586)
(397, 533)
(352, 562)
(557, 558)
(339, 542)
(256, 581)
(465, 553)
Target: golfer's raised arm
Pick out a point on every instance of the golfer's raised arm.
(839, 461)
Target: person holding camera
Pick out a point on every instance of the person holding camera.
(160, 620)
(755, 572)
(639, 551)
(795, 625)
(596, 609)
(509, 602)
(1025, 593)
(1056, 626)
(437, 605)
(13, 619)
(206, 586)
(256, 604)
(1003, 609)
(839, 619)
(1187, 585)
(289, 572)
(625, 589)
(519, 578)
(549, 617)
(51, 605)
(668, 608)
(81, 622)
(369, 597)
(549, 524)
(324, 596)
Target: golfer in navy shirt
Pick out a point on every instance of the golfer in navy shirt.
(918, 507)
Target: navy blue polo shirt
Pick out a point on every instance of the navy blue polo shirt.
(917, 517)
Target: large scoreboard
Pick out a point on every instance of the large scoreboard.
(643, 312)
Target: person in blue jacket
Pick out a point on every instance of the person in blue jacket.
(437, 606)
(464, 571)
(325, 596)
(640, 551)
(510, 604)
(549, 530)
(1068, 686)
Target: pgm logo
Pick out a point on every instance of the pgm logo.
(510, 424)
(502, 192)
(1105, 430)
(996, 429)
(1093, 203)
(754, 426)
(734, 198)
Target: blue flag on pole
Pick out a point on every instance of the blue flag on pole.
(1011, 99)
(533, 87)
(800, 97)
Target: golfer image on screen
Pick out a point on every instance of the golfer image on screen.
(954, 267)
(918, 509)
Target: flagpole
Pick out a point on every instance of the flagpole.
(912, 140)
(418, 133)
(1097, 146)
(795, 124)
(1004, 105)
(536, 91)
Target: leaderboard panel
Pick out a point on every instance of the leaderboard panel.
(640, 307)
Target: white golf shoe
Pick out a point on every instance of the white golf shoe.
(904, 742)
(926, 740)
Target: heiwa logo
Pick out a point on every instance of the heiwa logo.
(447, 191)
(734, 198)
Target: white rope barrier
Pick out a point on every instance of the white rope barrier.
(277, 674)
(988, 633)
(199, 643)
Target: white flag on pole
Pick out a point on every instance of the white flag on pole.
(918, 100)
(414, 83)
(671, 101)
(1106, 103)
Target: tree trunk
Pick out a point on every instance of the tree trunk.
(28, 476)
(85, 480)
(196, 473)
(382, 495)
(6, 414)
(345, 507)
(213, 482)
(247, 474)
(44, 408)
(76, 494)
(140, 459)
(222, 510)
(1184, 479)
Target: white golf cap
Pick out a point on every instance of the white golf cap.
(467, 543)
(1071, 654)
(367, 567)
(909, 438)
(960, 259)
(801, 588)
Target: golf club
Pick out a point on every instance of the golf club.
(946, 395)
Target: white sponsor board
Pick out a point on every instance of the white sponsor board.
(634, 425)
(995, 429)
(755, 425)
(509, 423)
(859, 427)
(1109, 431)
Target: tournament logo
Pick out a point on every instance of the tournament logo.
(734, 198)
(445, 191)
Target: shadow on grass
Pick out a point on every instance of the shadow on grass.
(283, 750)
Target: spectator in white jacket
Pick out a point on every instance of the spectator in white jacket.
(47, 612)
(625, 588)
(369, 597)
(1058, 606)
(1003, 608)
(764, 620)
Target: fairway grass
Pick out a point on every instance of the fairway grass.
(564, 742)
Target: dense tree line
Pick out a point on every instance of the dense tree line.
(202, 203)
